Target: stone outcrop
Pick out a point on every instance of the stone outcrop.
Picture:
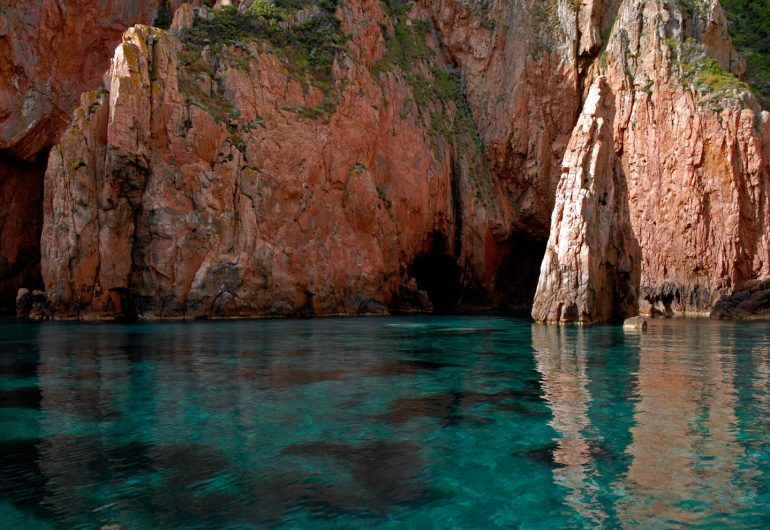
(695, 155)
(227, 183)
(31, 304)
(522, 88)
(53, 50)
(217, 182)
(753, 303)
(50, 52)
(591, 269)
(635, 323)
(691, 140)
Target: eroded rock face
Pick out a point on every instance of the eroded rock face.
(753, 303)
(219, 191)
(591, 268)
(233, 202)
(693, 153)
(522, 88)
(50, 52)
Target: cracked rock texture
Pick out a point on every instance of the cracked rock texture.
(159, 205)
(694, 153)
(206, 188)
(591, 269)
(50, 52)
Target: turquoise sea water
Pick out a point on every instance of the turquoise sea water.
(425, 422)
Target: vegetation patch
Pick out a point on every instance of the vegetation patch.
(547, 27)
(433, 87)
(692, 9)
(438, 93)
(304, 33)
(382, 194)
(701, 72)
(749, 24)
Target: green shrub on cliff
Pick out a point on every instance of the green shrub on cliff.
(706, 76)
(262, 8)
(749, 23)
(315, 38)
(307, 48)
(225, 28)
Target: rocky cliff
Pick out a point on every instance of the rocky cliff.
(301, 158)
(50, 52)
(691, 138)
(234, 169)
(591, 268)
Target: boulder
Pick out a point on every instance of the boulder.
(751, 303)
(30, 305)
(637, 322)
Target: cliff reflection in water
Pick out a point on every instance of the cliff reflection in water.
(421, 421)
(684, 464)
(562, 360)
(194, 427)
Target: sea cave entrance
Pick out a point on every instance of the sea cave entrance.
(437, 273)
(517, 276)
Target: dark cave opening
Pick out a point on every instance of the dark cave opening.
(437, 273)
(518, 274)
(21, 223)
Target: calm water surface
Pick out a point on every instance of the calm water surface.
(429, 422)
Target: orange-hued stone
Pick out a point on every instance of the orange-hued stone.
(50, 52)
(216, 188)
(696, 166)
(156, 204)
(591, 268)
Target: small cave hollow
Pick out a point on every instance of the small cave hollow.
(518, 274)
(437, 272)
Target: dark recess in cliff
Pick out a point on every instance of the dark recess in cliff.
(518, 274)
(438, 273)
(21, 222)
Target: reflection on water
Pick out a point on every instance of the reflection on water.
(685, 453)
(562, 360)
(416, 422)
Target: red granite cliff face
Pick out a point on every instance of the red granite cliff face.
(691, 140)
(227, 187)
(50, 52)
(694, 151)
(231, 183)
(591, 268)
